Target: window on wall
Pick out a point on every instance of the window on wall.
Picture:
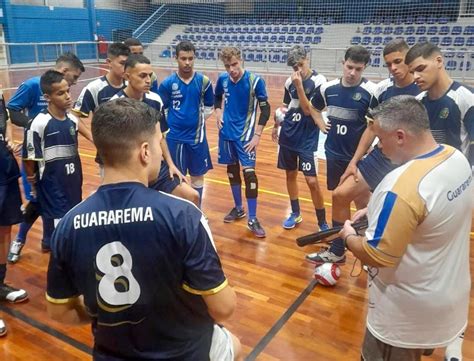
(55, 3)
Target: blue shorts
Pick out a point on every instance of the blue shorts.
(232, 152)
(374, 167)
(164, 183)
(192, 158)
(306, 162)
(335, 168)
(10, 204)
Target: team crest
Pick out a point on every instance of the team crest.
(72, 131)
(174, 86)
(357, 96)
(225, 83)
(444, 113)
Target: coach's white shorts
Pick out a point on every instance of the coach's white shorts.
(222, 347)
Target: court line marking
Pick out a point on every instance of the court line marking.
(47, 329)
(278, 325)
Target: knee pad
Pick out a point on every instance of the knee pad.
(233, 172)
(31, 212)
(251, 183)
(197, 182)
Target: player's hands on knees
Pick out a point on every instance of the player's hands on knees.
(275, 134)
(351, 170)
(361, 213)
(174, 171)
(252, 145)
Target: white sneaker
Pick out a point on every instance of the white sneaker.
(15, 251)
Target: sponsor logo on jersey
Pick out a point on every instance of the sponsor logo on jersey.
(357, 96)
(174, 86)
(72, 131)
(225, 83)
(444, 113)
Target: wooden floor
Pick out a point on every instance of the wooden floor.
(281, 313)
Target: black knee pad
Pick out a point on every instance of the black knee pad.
(31, 212)
(233, 172)
(251, 183)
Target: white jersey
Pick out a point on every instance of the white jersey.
(419, 228)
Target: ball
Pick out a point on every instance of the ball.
(280, 114)
(327, 274)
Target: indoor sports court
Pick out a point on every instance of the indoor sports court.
(282, 312)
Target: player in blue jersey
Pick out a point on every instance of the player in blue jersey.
(238, 139)
(188, 97)
(362, 175)
(347, 100)
(450, 107)
(299, 135)
(136, 47)
(51, 155)
(144, 261)
(24, 105)
(10, 206)
(138, 75)
(450, 104)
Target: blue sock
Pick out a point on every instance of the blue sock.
(23, 231)
(321, 216)
(200, 191)
(3, 272)
(252, 205)
(337, 245)
(237, 194)
(295, 206)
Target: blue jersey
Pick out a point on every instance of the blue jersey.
(8, 166)
(185, 103)
(53, 144)
(346, 110)
(387, 89)
(142, 259)
(94, 94)
(452, 117)
(28, 97)
(298, 131)
(240, 104)
(154, 101)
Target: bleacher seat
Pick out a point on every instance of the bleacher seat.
(469, 30)
(377, 40)
(470, 41)
(367, 30)
(377, 30)
(434, 40)
(301, 30)
(366, 40)
(316, 39)
(273, 39)
(257, 38)
(387, 39)
(449, 53)
(443, 20)
(375, 62)
(444, 30)
(281, 39)
(459, 41)
(165, 54)
(409, 20)
(411, 40)
(388, 30)
(451, 65)
(319, 30)
(409, 30)
(398, 30)
(465, 65)
(422, 39)
(446, 41)
(456, 30)
(265, 38)
(356, 40)
(299, 39)
(421, 30)
(461, 53)
(310, 30)
(431, 20)
(432, 30)
(420, 20)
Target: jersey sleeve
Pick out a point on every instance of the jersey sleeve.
(261, 90)
(164, 123)
(32, 141)
(469, 125)
(286, 97)
(208, 95)
(318, 100)
(60, 287)
(85, 103)
(22, 99)
(163, 92)
(203, 274)
(391, 228)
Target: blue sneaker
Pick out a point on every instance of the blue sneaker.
(292, 221)
(324, 227)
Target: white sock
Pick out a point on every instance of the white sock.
(454, 349)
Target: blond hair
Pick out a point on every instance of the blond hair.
(228, 52)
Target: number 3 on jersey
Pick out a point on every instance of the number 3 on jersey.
(117, 286)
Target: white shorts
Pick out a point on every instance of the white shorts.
(222, 346)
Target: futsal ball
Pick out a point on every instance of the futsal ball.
(280, 114)
(327, 274)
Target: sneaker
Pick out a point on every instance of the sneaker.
(11, 294)
(292, 221)
(325, 256)
(256, 228)
(234, 214)
(3, 328)
(15, 251)
(324, 227)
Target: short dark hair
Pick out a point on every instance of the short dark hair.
(132, 42)
(72, 60)
(49, 78)
(118, 49)
(120, 125)
(185, 45)
(395, 45)
(424, 49)
(358, 54)
(135, 59)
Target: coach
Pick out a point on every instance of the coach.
(417, 242)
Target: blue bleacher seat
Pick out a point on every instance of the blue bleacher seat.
(443, 20)
(469, 30)
(366, 40)
(375, 62)
(420, 20)
(299, 39)
(165, 54)
(356, 40)
(283, 58)
(310, 30)
(301, 30)
(281, 38)
(411, 40)
(377, 40)
(260, 29)
(446, 41)
(387, 39)
(290, 39)
(388, 30)
(398, 30)
(434, 40)
(459, 41)
(178, 37)
(316, 39)
(431, 20)
(328, 21)
(249, 38)
(451, 65)
(292, 29)
(205, 37)
(241, 38)
(421, 30)
(377, 30)
(422, 39)
(265, 38)
(456, 30)
(367, 22)
(444, 30)
(191, 37)
(465, 65)
(449, 53)
(409, 20)
(398, 20)
(284, 29)
(409, 30)
(432, 30)
(257, 38)
(319, 30)
(275, 58)
(268, 29)
(377, 51)
(470, 41)
(461, 53)
(252, 29)
(367, 30)
(273, 39)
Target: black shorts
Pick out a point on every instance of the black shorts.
(335, 168)
(10, 204)
(374, 167)
(306, 162)
(164, 183)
